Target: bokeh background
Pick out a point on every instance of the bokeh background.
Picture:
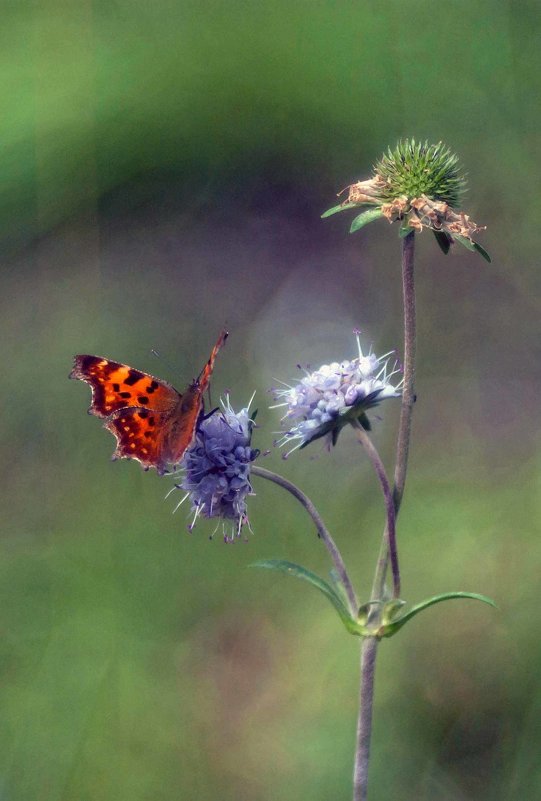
(163, 169)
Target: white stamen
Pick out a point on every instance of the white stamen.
(179, 504)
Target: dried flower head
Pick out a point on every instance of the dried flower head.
(421, 186)
(216, 469)
(326, 400)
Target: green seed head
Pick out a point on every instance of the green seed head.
(420, 186)
(415, 168)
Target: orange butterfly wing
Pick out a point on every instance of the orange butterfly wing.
(204, 378)
(151, 421)
(141, 434)
(116, 386)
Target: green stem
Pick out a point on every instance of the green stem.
(322, 531)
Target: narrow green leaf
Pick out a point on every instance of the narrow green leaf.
(482, 252)
(365, 218)
(391, 610)
(443, 240)
(339, 588)
(340, 207)
(291, 569)
(465, 241)
(473, 246)
(393, 627)
(363, 613)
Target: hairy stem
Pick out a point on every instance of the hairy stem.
(369, 645)
(364, 723)
(408, 392)
(322, 531)
(389, 536)
(408, 399)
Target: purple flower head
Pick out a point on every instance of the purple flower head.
(334, 395)
(216, 468)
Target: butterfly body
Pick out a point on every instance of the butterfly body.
(151, 420)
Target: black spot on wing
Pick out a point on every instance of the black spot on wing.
(133, 377)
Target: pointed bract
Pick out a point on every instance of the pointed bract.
(420, 186)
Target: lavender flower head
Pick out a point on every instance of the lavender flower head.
(216, 469)
(334, 395)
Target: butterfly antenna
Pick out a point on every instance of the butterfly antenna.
(174, 370)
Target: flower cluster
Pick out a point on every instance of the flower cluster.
(216, 468)
(336, 394)
(419, 185)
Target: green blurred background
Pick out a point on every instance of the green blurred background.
(164, 166)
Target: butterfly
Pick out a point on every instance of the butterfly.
(151, 420)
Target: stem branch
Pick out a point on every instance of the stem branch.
(322, 530)
(389, 534)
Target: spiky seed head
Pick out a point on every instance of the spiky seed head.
(414, 169)
(420, 186)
